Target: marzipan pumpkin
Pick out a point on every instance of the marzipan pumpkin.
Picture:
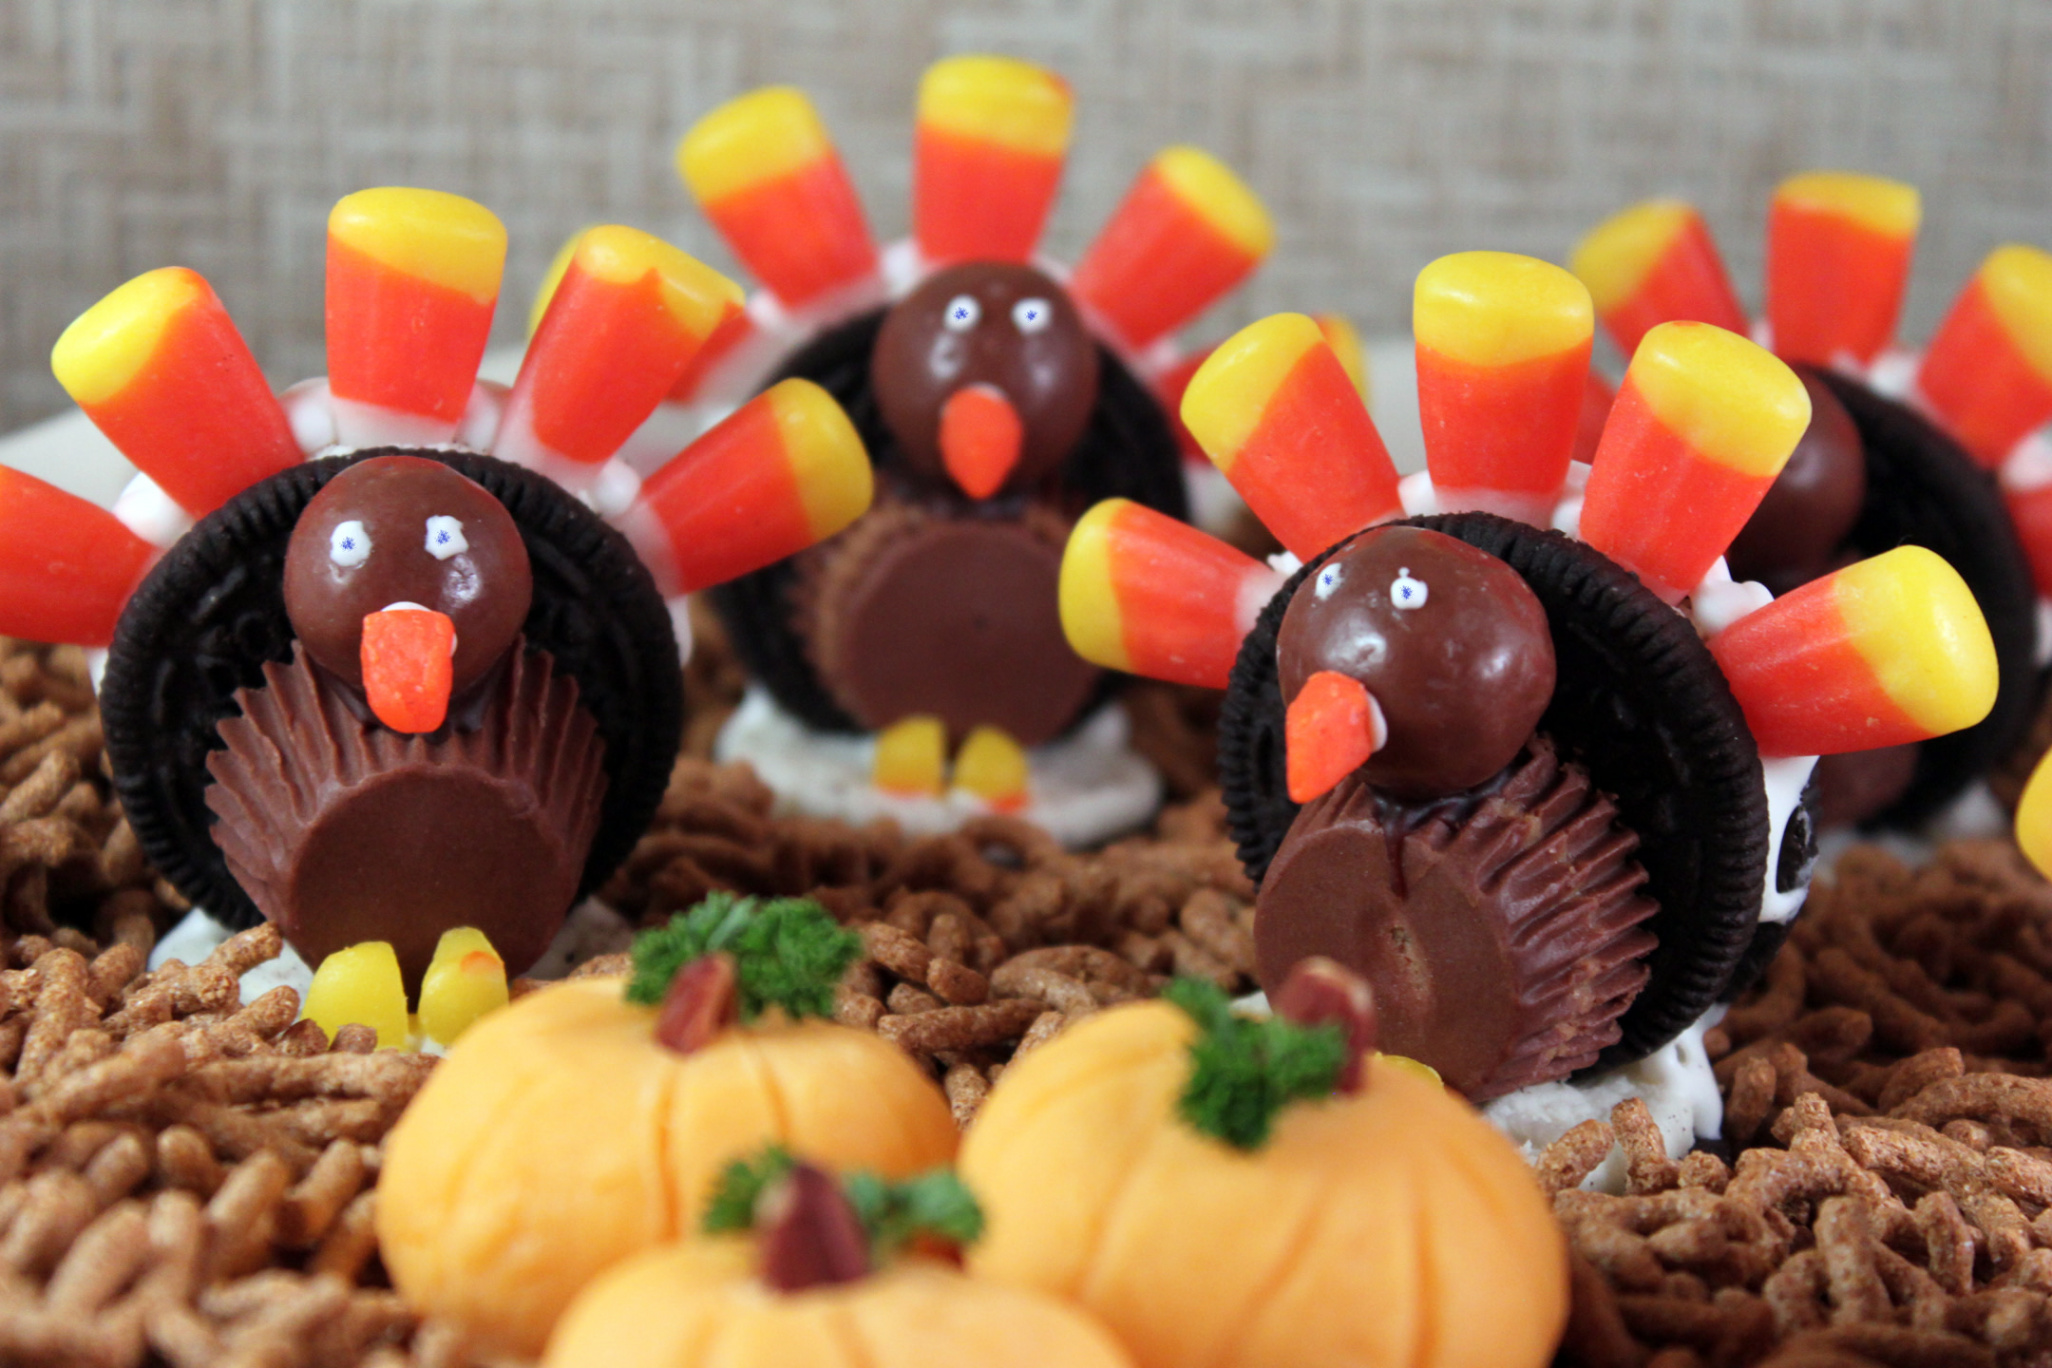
(1190, 1177)
(583, 1124)
(822, 1285)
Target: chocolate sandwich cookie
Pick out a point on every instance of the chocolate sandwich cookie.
(210, 621)
(1641, 714)
(1125, 450)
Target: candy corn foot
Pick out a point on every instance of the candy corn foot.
(1987, 374)
(912, 757)
(413, 277)
(360, 986)
(786, 470)
(1884, 652)
(1186, 233)
(465, 981)
(2034, 817)
(990, 141)
(1838, 256)
(994, 767)
(1275, 411)
(1503, 355)
(1702, 424)
(1655, 263)
(159, 367)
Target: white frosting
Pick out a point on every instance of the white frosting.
(1087, 786)
(1785, 777)
(146, 510)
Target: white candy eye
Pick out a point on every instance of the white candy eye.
(1405, 592)
(963, 313)
(1032, 315)
(445, 537)
(1328, 580)
(349, 545)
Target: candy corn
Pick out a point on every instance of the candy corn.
(159, 367)
(66, 566)
(1330, 729)
(2034, 817)
(408, 656)
(782, 472)
(1597, 397)
(994, 767)
(1274, 409)
(1702, 424)
(1988, 371)
(626, 319)
(2031, 511)
(980, 438)
(413, 276)
(1345, 342)
(1503, 360)
(1187, 232)
(991, 137)
(360, 986)
(767, 175)
(911, 757)
(1143, 593)
(465, 981)
(1655, 263)
(1886, 651)
(1838, 256)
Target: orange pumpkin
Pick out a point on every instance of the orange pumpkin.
(808, 1292)
(576, 1128)
(1389, 1225)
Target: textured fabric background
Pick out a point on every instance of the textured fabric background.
(217, 133)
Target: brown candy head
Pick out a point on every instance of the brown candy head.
(1798, 529)
(994, 324)
(1449, 640)
(405, 529)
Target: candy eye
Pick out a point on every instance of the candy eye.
(963, 313)
(1328, 580)
(349, 545)
(445, 537)
(1405, 592)
(1031, 315)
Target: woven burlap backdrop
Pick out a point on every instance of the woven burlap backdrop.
(216, 133)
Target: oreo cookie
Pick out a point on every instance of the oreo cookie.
(211, 614)
(1127, 450)
(1639, 703)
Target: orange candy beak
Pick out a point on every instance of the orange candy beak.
(1331, 728)
(1838, 257)
(159, 367)
(991, 137)
(1656, 263)
(66, 566)
(980, 438)
(1988, 371)
(408, 666)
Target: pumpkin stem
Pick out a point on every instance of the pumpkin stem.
(808, 1233)
(1319, 990)
(702, 1002)
(1244, 1071)
(787, 952)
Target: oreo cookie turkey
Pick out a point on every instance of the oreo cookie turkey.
(393, 654)
(1526, 760)
(915, 667)
(1937, 450)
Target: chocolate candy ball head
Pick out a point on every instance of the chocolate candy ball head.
(998, 332)
(1448, 640)
(1799, 530)
(403, 529)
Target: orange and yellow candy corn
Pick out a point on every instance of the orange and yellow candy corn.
(1345, 341)
(1887, 651)
(1143, 593)
(1597, 397)
(66, 566)
(1330, 730)
(2034, 817)
(159, 367)
(1988, 372)
(767, 175)
(1275, 411)
(408, 659)
(1187, 232)
(1702, 424)
(1503, 359)
(994, 767)
(991, 137)
(784, 471)
(1838, 257)
(628, 316)
(1655, 263)
(2031, 512)
(413, 276)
